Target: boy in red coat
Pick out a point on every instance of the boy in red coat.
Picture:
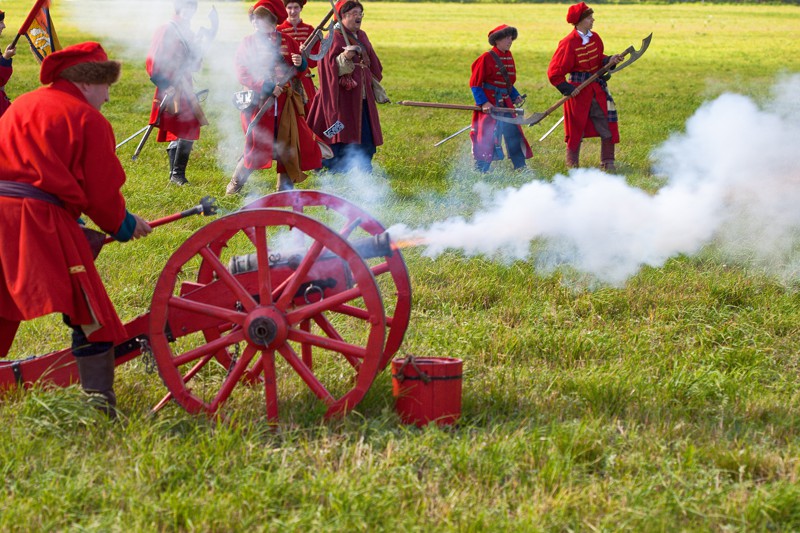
(492, 82)
(298, 30)
(174, 55)
(270, 64)
(591, 111)
(57, 162)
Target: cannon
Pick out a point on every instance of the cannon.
(297, 286)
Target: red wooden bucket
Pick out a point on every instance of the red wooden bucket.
(427, 389)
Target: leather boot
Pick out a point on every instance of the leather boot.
(573, 157)
(97, 381)
(285, 183)
(182, 151)
(239, 178)
(171, 149)
(607, 155)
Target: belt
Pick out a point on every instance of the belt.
(13, 189)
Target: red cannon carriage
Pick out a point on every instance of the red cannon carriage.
(299, 282)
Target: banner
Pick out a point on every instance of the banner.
(42, 35)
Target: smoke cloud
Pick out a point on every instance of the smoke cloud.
(731, 179)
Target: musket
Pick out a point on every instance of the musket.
(437, 105)
(535, 118)
(206, 207)
(131, 137)
(459, 132)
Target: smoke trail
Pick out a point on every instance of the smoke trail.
(731, 178)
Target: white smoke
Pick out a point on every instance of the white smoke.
(731, 178)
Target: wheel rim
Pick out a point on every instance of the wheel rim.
(260, 309)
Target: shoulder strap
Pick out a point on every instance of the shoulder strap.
(502, 68)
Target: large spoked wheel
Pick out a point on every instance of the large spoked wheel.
(262, 316)
(353, 223)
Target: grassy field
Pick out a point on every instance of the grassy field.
(667, 403)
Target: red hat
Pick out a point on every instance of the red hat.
(90, 59)
(343, 6)
(578, 12)
(501, 32)
(275, 7)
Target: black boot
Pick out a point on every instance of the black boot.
(171, 149)
(183, 149)
(97, 381)
(239, 178)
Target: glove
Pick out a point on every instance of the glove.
(565, 88)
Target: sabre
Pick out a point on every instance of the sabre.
(535, 118)
(206, 207)
(459, 132)
(149, 128)
(131, 137)
(552, 129)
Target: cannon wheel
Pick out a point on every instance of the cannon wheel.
(267, 323)
(397, 293)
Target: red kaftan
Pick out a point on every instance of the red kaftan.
(573, 56)
(6, 69)
(170, 62)
(300, 33)
(486, 72)
(334, 102)
(54, 140)
(258, 64)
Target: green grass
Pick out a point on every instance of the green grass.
(670, 403)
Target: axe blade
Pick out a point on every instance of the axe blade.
(634, 54)
(530, 120)
(324, 46)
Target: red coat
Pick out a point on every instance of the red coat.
(300, 33)
(54, 140)
(573, 56)
(172, 58)
(5, 74)
(485, 71)
(255, 67)
(334, 102)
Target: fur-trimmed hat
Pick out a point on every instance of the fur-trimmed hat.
(273, 7)
(578, 12)
(343, 6)
(302, 3)
(501, 32)
(83, 62)
(2, 15)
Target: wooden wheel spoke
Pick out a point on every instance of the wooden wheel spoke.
(193, 306)
(329, 330)
(228, 279)
(208, 348)
(327, 343)
(305, 374)
(326, 304)
(380, 268)
(296, 279)
(264, 274)
(233, 377)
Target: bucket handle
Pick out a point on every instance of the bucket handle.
(410, 360)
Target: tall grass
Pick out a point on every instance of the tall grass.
(669, 404)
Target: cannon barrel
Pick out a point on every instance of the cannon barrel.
(378, 245)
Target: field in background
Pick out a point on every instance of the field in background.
(670, 403)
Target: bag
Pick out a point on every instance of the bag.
(243, 100)
(380, 93)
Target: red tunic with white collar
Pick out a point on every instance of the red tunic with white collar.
(574, 56)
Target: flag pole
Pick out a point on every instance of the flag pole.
(28, 21)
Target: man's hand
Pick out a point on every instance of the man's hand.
(297, 60)
(351, 51)
(616, 59)
(143, 229)
(487, 107)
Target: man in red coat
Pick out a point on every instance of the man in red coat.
(270, 64)
(57, 161)
(591, 111)
(6, 68)
(174, 55)
(344, 110)
(298, 30)
(492, 82)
